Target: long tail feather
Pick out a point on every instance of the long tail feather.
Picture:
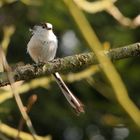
(74, 102)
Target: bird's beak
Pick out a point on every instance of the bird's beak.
(30, 29)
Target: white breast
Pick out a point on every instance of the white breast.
(42, 47)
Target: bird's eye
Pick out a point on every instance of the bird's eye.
(43, 25)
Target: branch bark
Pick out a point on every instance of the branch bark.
(69, 63)
(12, 132)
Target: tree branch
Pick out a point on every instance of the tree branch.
(12, 132)
(69, 63)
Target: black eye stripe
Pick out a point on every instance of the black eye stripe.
(49, 28)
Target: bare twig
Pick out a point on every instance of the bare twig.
(88, 72)
(94, 7)
(120, 91)
(12, 132)
(108, 6)
(32, 84)
(30, 103)
(8, 32)
(17, 98)
(125, 21)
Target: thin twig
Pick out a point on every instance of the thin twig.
(12, 133)
(17, 97)
(30, 103)
(8, 31)
(125, 21)
(109, 7)
(95, 6)
(120, 91)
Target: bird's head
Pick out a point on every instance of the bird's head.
(42, 28)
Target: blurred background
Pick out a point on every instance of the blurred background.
(51, 114)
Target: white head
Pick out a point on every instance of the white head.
(42, 28)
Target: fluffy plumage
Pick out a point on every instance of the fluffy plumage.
(42, 47)
(43, 44)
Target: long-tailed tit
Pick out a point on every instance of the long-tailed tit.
(42, 47)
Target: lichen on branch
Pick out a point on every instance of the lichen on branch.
(69, 63)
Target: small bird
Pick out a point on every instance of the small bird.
(42, 47)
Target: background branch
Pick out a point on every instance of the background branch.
(18, 100)
(12, 132)
(120, 91)
(109, 7)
